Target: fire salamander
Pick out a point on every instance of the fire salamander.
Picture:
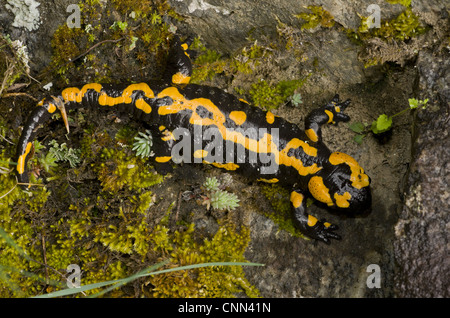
(195, 123)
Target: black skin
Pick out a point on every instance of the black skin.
(335, 177)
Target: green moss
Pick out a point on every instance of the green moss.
(318, 16)
(265, 95)
(403, 27)
(222, 281)
(116, 169)
(105, 214)
(399, 29)
(279, 199)
(405, 3)
(13, 62)
(20, 219)
(249, 58)
(114, 28)
(65, 48)
(269, 96)
(207, 64)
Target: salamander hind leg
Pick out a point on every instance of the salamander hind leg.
(333, 113)
(308, 224)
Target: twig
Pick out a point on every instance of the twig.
(93, 47)
(83, 54)
(9, 191)
(19, 94)
(4, 138)
(7, 74)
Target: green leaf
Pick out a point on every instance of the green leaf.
(358, 139)
(413, 103)
(382, 124)
(296, 99)
(357, 127)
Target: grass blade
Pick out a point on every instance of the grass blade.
(146, 272)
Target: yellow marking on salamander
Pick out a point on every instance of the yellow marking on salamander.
(263, 145)
(330, 116)
(297, 163)
(312, 220)
(273, 180)
(319, 191)
(168, 135)
(358, 178)
(180, 78)
(143, 105)
(227, 166)
(342, 199)
(296, 199)
(163, 159)
(200, 153)
(74, 94)
(270, 118)
(21, 160)
(312, 135)
(239, 117)
(51, 108)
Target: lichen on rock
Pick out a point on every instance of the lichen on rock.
(26, 13)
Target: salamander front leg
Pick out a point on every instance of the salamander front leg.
(308, 224)
(330, 113)
(163, 142)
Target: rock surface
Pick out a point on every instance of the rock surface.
(422, 245)
(406, 236)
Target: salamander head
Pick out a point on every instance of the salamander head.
(342, 185)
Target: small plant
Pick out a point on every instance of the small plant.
(119, 25)
(217, 198)
(211, 184)
(318, 16)
(296, 99)
(143, 144)
(223, 200)
(56, 153)
(383, 123)
(48, 162)
(63, 153)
